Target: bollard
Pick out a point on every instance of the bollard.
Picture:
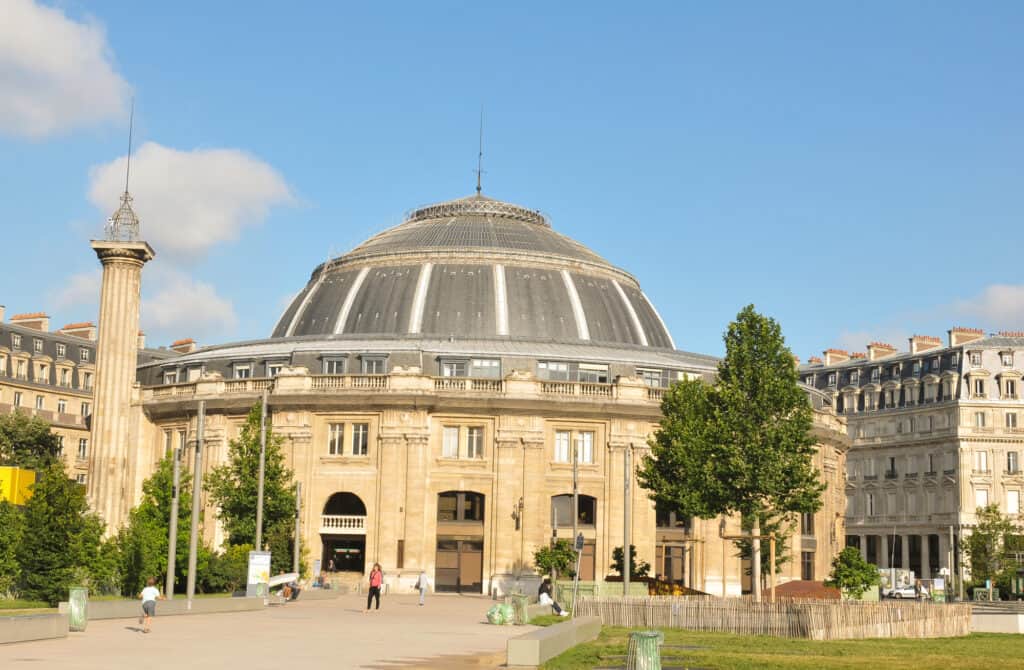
(644, 652)
(78, 608)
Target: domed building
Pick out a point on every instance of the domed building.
(432, 387)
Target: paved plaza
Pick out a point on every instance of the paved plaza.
(449, 632)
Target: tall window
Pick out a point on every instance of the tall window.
(981, 498)
(65, 377)
(1010, 385)
(37, 345)
(62, 350)
(450, 442)
(83, 447)
(981, 461)
(17, 398)
(975, 358)
(807, 565)
(87, 380)
(979, 387)
(1013, 502)
(168, 442)
(80, 478)
(1012, 461)
(475, 442)
(335, 438)
(1007, 358)
(832, 379)
(85, 410)
(875, 375)
(562, 453)
(807, 523)
(585, 447)
(871, 504)
(334, 366)
(360, 439)
(39, 401)
(1011, 419)
(60, 444)
(979, 419)
(15, 341)
(83, 355)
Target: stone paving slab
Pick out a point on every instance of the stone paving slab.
(449, 632)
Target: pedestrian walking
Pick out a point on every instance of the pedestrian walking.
(149, 596)
(423, 584)
(376, 578)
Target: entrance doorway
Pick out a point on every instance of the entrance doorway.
(343, 533)
(459, 564)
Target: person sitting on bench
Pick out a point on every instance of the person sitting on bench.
(545, 597)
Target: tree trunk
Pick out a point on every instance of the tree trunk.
(755, 559)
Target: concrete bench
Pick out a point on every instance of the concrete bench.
(536, 610)
(541, 645)
(23, 628)
(131, 609)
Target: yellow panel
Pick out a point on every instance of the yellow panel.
(15, 484)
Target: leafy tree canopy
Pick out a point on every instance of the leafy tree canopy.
(852, 574)
(233, 489)
(61, 540)
(560, 557)
(26, 442)
(638, 570)
(10, 537)
(743, 444)
(992, 547)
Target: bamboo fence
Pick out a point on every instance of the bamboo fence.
(808, 619)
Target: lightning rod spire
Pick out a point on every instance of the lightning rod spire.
(480, 155)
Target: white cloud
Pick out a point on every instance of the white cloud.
(56, 74)
(177, 306)
(997, 307)
(174, 304)
(188, 201)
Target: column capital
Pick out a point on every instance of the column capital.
(109, 251)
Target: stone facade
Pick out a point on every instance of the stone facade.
(935, 433)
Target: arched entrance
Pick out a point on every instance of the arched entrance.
(343, 533)
(460, 542)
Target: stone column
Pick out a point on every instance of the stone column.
(116, 351)
(944, 552)
(883, 547)
(864, 547)
(905, 552)
(925, 572)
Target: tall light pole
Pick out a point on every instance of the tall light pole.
(627, 554)
(263, 465)
(197, 488)
(298, 527)
(172, 533)
(575, 486)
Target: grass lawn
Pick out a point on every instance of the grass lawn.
(981, 651)
(9, 607)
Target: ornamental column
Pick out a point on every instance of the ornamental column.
(122, 255)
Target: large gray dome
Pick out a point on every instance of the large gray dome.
(474, 268)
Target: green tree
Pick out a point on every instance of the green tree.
(61, 540)
(992, 547)
(559, 558)
(26, 442)
(851, 574)
(143, 541)
(637, 570)
(743, 445)
(233, 489)
(10, 537)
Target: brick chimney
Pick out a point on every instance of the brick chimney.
(36, 321)
(186, 346)
(84, 329)
(833, 356)
(814, 360)
(858, 354)
(919, 343)
(959, 335)
(141, 342)
(878, 350)
(1001, 333)
(2, 310)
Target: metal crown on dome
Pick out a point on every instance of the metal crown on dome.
(480, 206)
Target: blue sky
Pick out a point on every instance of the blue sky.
(854, 171)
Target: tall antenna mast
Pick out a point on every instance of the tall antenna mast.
(480, 156)
(131, 127)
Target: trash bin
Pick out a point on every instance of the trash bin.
(520, 604)
(644, 653)
(78, 608)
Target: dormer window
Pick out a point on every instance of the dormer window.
(1007, 358)
(15, 341)
(37, 345)
(895, 372)
(917, 368)
(274, 367)
(243, 370)
(374, 365)
(954, 360)
(62, 350)
(975, 359)
(875, 374)
(809, 380)
(170, 377)
(832, 379)
(854, 376)
(83, 355)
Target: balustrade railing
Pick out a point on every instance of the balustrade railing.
(342, 524)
